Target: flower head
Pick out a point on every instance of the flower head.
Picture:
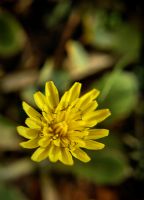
(64, 126)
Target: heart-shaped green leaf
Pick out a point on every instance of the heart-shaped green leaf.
(12, 36)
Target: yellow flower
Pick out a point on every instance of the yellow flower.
(63, 126)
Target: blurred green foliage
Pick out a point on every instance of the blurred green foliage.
(106, 167)
(12, 36)
(97, 44)
(59, 12)
(8, 193)
(123, 95)
(108, 31)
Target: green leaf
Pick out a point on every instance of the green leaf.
(77, 55)
(27, 94)
(121, 97)
(60, 76)
(96, 31)
(12, 36)
(46, 71)
(106, 167)
(110, 32)
(128, 41)
(59, 12)
(112, 142)
(78, 61)
(10, 193)
(62, 79)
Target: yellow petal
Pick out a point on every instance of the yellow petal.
(27, 132)
(81, 155)
(47, 131)
(63, 104)
(74, 92)
(89, 107)
(60, 116)
(92, 94)
(89, 96)
(40, 154)
(41, 102)
(65, 156)
(64, 141)
(72, 105)
(44, 142)
(48, 117)
(78, 140)
(69, 97)
(93, 145)
(78, 133)
(72, 114)
(52, 94)
(31, 112)
(77, 125)
(57, 142)
(30, 144)
(54, 153)
(96, 134)
(33, 124)
(95, 117)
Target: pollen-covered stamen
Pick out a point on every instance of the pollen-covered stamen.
(55, 137)
(60, 128)
(41, 134)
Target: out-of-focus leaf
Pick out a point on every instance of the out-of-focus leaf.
(128, 41)
(12, 36)
(139, 71)
(62, 79)
(10, 193)
(58, 13)
(8, 137)
(106, 167)
(60, 76)
(122, 96)
(112, 142)
(77, 54)
(95, 30)
(111, 33)
(46, 71)
(80, 64)
(16, 169)
(27, 94)
(131, 141)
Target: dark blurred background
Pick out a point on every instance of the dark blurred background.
(98, 43)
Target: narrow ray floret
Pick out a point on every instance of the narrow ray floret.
(63, 127)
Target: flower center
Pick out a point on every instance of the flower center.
(60, 128)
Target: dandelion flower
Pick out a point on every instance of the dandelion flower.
(63, 127)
